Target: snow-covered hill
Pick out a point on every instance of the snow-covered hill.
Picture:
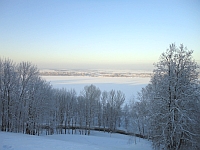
(97, 140)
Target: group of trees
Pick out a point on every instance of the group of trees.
(166, 110)
(30, 105)
(25, 98)
(89, 110)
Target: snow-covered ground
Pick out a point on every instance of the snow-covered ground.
(96, 141)
(129, 86)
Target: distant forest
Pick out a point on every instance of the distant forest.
(166, 111)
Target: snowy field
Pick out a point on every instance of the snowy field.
(96, 141)
(129, 86)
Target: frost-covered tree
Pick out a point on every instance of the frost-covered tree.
(8, 80)
(139, 120)
(91, 96)
(114, 101)
(81, 113)
(119, 101)
(174, 100)
(71, 111)
(105, 115)
(24, 97)
(126, 116)
(27, 74)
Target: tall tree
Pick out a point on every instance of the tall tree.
(27, 73)
(8, 80)
(91, 95)
(175, 98)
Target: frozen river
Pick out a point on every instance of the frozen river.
(129, 86)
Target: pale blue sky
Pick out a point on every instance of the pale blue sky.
(97, 34)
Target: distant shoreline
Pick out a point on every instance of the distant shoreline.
(94, 74)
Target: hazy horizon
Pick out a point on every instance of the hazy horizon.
(97, 34)
(136, 67)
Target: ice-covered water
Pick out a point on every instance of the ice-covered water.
(129, 86)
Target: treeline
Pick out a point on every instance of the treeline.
(30, 105)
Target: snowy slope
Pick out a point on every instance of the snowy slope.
(96, 141)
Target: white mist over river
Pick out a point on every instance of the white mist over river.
(129, 86)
